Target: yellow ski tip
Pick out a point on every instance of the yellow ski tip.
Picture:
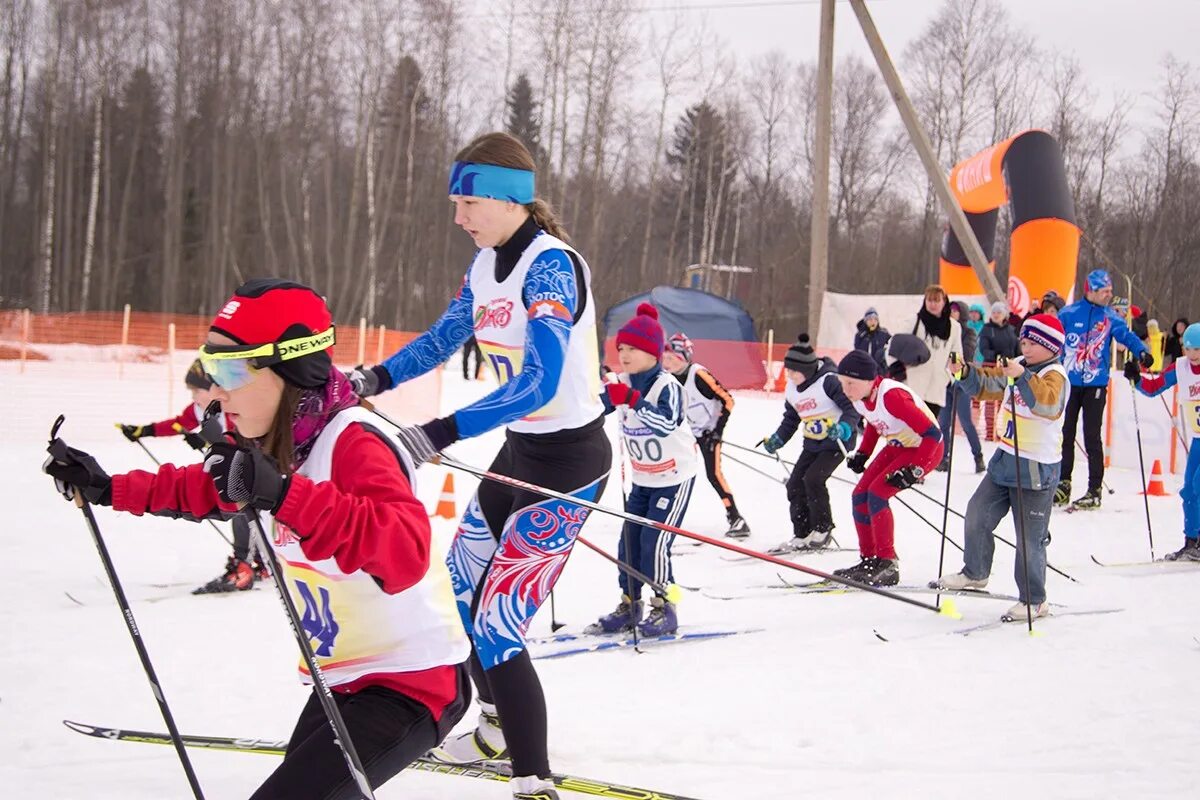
(948, 609)
(674, 594)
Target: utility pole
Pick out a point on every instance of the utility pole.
(958, 220)
(818, 253)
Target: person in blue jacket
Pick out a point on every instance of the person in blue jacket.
(1091, 326)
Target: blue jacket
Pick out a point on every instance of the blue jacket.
(1090, 330)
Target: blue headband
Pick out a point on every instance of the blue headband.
(489, 180)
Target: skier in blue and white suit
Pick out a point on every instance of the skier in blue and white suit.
(1091, 326)
(527, 299)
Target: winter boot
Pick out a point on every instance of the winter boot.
(485, 743)
(531, 787)
(661, 620)
(1018, 613)
(626, 615)
(885, 572)
(855, 573)
(738, 529)
(237, 577)
(980, 467)
(819, 540)
(1088, 501)
(1062, 495)
(958, 582)
(1189, 552)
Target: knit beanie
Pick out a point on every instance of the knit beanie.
(682, 346)
(801, 357)
(266, 310)
(643, 331)
(857, 364)
(1045, 330)
(1000, 307)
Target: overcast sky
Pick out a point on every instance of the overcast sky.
(1120, 44)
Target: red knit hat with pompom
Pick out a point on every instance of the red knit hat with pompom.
(643, 331)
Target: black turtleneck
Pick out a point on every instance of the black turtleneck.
(509, 253)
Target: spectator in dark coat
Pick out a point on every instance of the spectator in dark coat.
(962, 404)
(871, 338)
(998, 338)
(1174, 345)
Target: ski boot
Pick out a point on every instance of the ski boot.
(661, 620)
(626, 615)
(885, 572)
(1062, 495)
(531, 787)
(738, 529)
(1018, 612)
(856, 573)
(958, 582)
(237, 577)
(1089, 501)
(485, 743)
(819, 539)
(789, 546)
(1189, 552)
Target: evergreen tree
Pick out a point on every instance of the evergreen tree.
(524, 121)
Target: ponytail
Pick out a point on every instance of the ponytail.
(545, 218)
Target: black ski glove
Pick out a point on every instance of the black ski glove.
(1132, 371)
(857, 462)
(905, 477)
(74, 469)
(245, 475)
(423, 442)
(369, 381)
(195, 441)
(1146, 359)
(135, 432)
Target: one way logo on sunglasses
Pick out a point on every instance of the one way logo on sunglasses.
(301, 346)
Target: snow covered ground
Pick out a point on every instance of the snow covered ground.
(813, 706)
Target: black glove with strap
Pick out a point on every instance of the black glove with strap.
(74, 469)
(905, 476)
(135, 432)
(424, 442)
(857, 462)
(246, 476)
(369, 381)
(195, 441)
(1132, 371)
(1146, 359)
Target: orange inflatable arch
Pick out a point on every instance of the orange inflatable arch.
(1028, 174)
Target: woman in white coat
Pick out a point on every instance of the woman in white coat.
(943, 335)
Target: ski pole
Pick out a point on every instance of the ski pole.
(57, 451)
(1174, 427)
(1024, 548)
(625, 535)
(954, 393)
(753, 468)
(672, 592)
(341, 735)
(1079, 447)
(158, 463)
(1137, 426)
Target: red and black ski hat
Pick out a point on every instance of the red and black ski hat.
(268, 310)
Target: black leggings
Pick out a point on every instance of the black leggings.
(808, 495)
(710, 449)
(389, 731)
(1091, 401)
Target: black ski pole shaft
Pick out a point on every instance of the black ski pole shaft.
(1021, 540)
(1137, 426)
(555, 625)
(633, 601)
(131, 624)
(341, 735)
(1104, 482)
(628, 570)
(753, 468)
(954, 393)
(158, 463)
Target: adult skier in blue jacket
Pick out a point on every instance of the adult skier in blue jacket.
(1090, 326)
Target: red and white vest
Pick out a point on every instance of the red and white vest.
(892, 429)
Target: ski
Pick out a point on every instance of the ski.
(1004, 621)
(596, 644)
(1162, 564)
(483, 770)
(830, 587)
(791, 553)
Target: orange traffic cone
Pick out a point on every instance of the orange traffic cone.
(1156, 488)
(781, 381)
(445, 506)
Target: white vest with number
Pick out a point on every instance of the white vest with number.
(1188, 384)
(1039, 438)
(891, 428)
(500, 322)
(702, 412)
(657, 460)
(356, 628)
(818, 412)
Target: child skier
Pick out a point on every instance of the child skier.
(708, 405)
(814, 402)
(895, 413)
(241, 569)
(1041, 387)
(662, 453)
(353, 540)
(1184, 373)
